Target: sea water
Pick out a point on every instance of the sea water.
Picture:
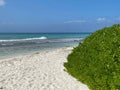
(23, 43)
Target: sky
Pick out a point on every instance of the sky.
(57, 15)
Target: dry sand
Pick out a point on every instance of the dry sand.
(38, 71)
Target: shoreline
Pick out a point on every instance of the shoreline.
(30, 53)
(38, 71)
(8, 56)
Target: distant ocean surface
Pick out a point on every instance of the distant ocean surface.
(15, 44)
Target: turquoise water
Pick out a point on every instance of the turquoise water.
(48, 35)
(15, 44)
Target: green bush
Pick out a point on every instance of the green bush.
(96, 61)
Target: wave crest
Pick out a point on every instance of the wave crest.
(26, 39)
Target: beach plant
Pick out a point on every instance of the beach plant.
(96, 61)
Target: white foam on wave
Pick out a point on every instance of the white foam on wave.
(26, 39)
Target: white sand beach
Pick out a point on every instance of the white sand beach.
(38, 71)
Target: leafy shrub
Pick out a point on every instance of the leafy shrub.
(96, 61)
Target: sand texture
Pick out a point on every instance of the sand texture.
(38, 71)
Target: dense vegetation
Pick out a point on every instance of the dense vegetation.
(96, 61)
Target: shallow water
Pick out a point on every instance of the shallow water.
(15, 44)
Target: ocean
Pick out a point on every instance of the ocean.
(24, 43)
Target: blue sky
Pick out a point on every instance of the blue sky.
(57, 15)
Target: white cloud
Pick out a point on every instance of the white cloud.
(75, 21)
(101, 19)
(2, 2)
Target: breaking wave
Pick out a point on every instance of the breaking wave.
(26, 39)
